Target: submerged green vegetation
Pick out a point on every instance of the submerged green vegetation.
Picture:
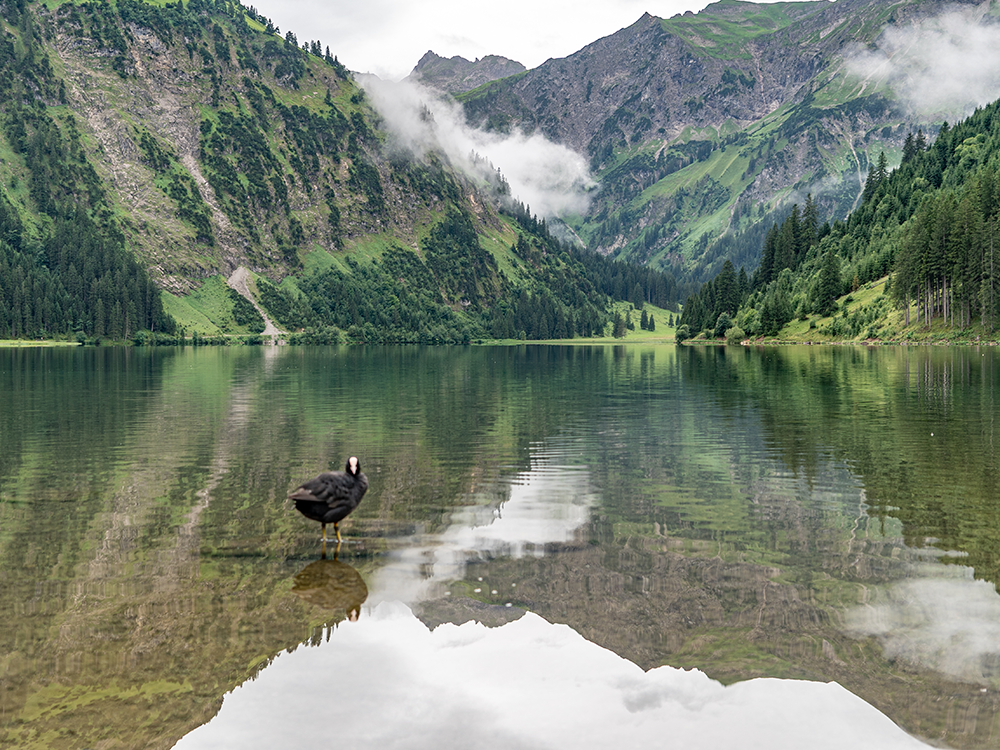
(725, 509)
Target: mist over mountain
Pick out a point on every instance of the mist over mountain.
(191, 149)
(550, 178)
(940, 67)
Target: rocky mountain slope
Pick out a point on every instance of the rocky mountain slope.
(703, 124)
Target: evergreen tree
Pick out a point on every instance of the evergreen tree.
(810, 223)
(637, 297)
(829, 285)
(909, 148)
(876, 177)
(727, 290)
(766, 270)
(618, 326)
(723, 324)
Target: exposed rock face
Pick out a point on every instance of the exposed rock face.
(456, 75)
(728, 64)
(665, 94)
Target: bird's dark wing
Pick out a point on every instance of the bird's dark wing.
(329, 486)
(330, 496)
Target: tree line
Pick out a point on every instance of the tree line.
(930, 224)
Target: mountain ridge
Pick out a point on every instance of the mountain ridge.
(195, 140)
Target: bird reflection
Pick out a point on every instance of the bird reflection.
(332, 584)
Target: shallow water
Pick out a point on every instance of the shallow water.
(806, 513)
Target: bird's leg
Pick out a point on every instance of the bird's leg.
(336, 527)
(323, 537)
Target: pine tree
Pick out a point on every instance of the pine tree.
(810, 223)
(876, 177)
(637, 298)
(618, 326)
(727, 290)
(766, 270)
(828, 288)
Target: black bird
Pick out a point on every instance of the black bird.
(331, 496)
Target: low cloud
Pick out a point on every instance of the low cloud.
(551, 179)
(944, 66)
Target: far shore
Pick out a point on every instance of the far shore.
(21, 343)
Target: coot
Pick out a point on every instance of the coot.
(331, 496)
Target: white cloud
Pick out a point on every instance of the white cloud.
(552, 179)
(940, 67)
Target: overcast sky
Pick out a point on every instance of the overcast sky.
(388, 37)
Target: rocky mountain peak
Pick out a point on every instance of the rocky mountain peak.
(456, 74)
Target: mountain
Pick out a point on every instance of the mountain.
(456, 75)
(182, 170)
(704, 127)
(148, 147)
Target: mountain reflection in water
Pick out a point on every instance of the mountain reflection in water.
(393, 682)
(819, 513)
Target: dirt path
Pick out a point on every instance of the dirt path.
(240, 282)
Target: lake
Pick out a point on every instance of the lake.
(561, 546)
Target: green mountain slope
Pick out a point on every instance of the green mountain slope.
(149, 145)
(916, 260)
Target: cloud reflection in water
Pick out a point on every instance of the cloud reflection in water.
(390, 682)
(544, 505)
(941, 619)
